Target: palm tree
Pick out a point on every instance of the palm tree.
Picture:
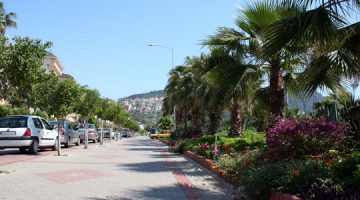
(235, 84)
(6, 19)
(248, 40)
(333, 41)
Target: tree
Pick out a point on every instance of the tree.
(87, 106)
(6, 19)
(249, 39)
(165, 123)
(63, 99)
(22, 70)
(333, 41)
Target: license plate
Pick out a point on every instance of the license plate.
(8, 133)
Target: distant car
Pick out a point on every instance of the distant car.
(27, 132)
(161, 134)
(107, 132)
(68, 134)
(92, 133)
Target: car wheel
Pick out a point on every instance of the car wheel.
(22, 149)
(34, 147)
(95, 140)
(56, 146)
(67, 144)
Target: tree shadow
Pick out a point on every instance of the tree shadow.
(175, 192)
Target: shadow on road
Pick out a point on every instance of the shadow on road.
(158, 193)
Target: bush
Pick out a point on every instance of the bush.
(294, 138)
(21, 111)
(5, 111)
(231, 163)
(348, 171)
(294, 177)
(41, 114)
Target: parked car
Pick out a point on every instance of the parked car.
(92, 133)
(68, 134)
(27, 132)
(107, 132)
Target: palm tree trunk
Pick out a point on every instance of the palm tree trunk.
(276, 89)
(235, 121)
(178, 116)
(215, 118)
(196, 121)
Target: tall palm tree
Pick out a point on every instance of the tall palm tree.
(325, 29)
(236, 84)
(6, 19)
(249, 40)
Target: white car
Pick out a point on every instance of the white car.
(27, 132)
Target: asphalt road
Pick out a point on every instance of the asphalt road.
(134, 168)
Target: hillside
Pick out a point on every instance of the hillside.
(157, 93)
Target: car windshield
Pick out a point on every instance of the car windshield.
(13, 122)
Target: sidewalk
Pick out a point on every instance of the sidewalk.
(134, 168)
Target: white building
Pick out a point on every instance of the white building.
(52, 63)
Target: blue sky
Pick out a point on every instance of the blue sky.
(104, 44)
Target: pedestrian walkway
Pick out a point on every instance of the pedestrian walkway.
(134, 168)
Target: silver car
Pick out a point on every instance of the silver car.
(92, 133)
(68, 134)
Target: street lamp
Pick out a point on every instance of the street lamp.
(172, 67)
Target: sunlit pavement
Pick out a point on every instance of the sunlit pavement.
(134, 168)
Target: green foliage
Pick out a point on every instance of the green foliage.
(40, 113)
(21, 111)
(5, 111)
(64, 98)
(294, 113)
(348, 171)
(165, 123)
(89, 103)
(232, 164)
(286, 176)
(22, 69)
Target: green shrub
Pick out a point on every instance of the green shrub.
(293, 177)
(251, 136)
(21, 111)
(5, 111)
(41, 114)
(231, 164)
(348, 171)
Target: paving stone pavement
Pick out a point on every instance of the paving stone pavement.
(133, 168)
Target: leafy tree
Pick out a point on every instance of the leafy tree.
(22, 69)
(88, 106)
(63, 100)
